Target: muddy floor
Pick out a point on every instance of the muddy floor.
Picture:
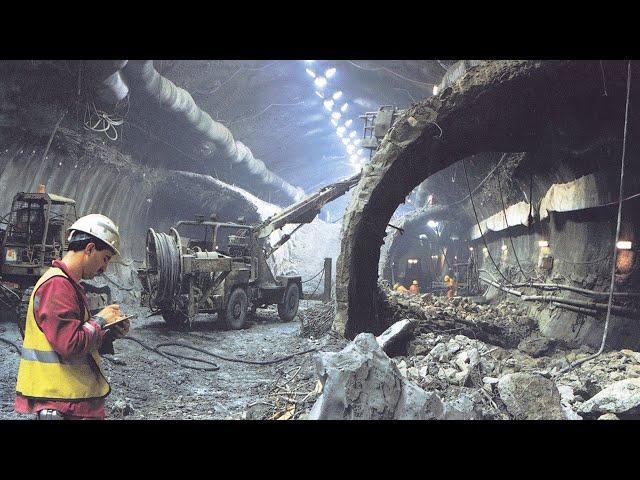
(146, 385)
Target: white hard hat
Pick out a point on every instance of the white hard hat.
(100, 227)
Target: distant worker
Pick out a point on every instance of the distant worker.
(400, 288)
(451, 283)
(59, 376)
(414, 289)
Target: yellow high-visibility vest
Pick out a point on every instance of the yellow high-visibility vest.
(44, 375)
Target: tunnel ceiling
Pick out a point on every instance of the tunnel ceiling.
(270, 105)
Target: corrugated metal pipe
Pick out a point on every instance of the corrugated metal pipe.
(142, 75)
(107, 76)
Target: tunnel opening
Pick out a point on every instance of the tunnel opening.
(553, 112)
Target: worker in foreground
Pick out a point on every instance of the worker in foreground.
(60, 376)
(451, 283)
(414, 288)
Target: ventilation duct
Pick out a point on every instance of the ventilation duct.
(107, 76)
(217, 140)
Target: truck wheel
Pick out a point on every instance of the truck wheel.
(237, 308)
(288, 309)
(22, 309)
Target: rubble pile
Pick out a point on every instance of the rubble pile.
(455, 367)
(608, 384)
(505, 324)
(362, 383)
(445, 374)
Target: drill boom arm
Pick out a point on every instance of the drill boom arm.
(307, 209)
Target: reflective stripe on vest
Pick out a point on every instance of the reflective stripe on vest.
(49, 357)
(43, 374)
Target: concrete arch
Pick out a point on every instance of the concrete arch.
(502, 106)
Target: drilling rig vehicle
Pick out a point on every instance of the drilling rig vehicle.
(207, 266)
(36, 234)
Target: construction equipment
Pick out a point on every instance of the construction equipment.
(35, 235)
(206, 266)
(376, 126)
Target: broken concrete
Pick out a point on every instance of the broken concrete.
(362, 383)
(621, 398)
(394, 339)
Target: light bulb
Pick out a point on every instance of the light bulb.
(320, 82)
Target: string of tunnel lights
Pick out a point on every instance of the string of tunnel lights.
(336, 107)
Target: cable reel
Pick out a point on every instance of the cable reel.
(163, 255)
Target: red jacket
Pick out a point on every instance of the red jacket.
(58, 308)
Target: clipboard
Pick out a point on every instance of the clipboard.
(118, 321)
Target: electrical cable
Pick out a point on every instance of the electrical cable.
(167, 265)
(504, 212)
(214, 366)
(309, 279)
(446, 259)
(318, 284)
(9, 342)
(617, 236)
(238, 360)
(104, 119)
(466, 177)
(168, 356)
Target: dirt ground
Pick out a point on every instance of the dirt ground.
(147, 386)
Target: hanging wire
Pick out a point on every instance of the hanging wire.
(504, 212)
(101, 121)
(617, 237)
(466, 177)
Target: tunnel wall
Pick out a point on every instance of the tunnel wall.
(134, 196)
(497, 106)
(581, 244)
(581, 240)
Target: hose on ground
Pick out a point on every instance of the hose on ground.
(9, 342)
(214, 366)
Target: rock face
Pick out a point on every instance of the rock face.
(620, 398)
(530, 397)
(536, 345)
(362, 383)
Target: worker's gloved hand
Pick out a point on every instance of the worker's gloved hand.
(110, 313)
